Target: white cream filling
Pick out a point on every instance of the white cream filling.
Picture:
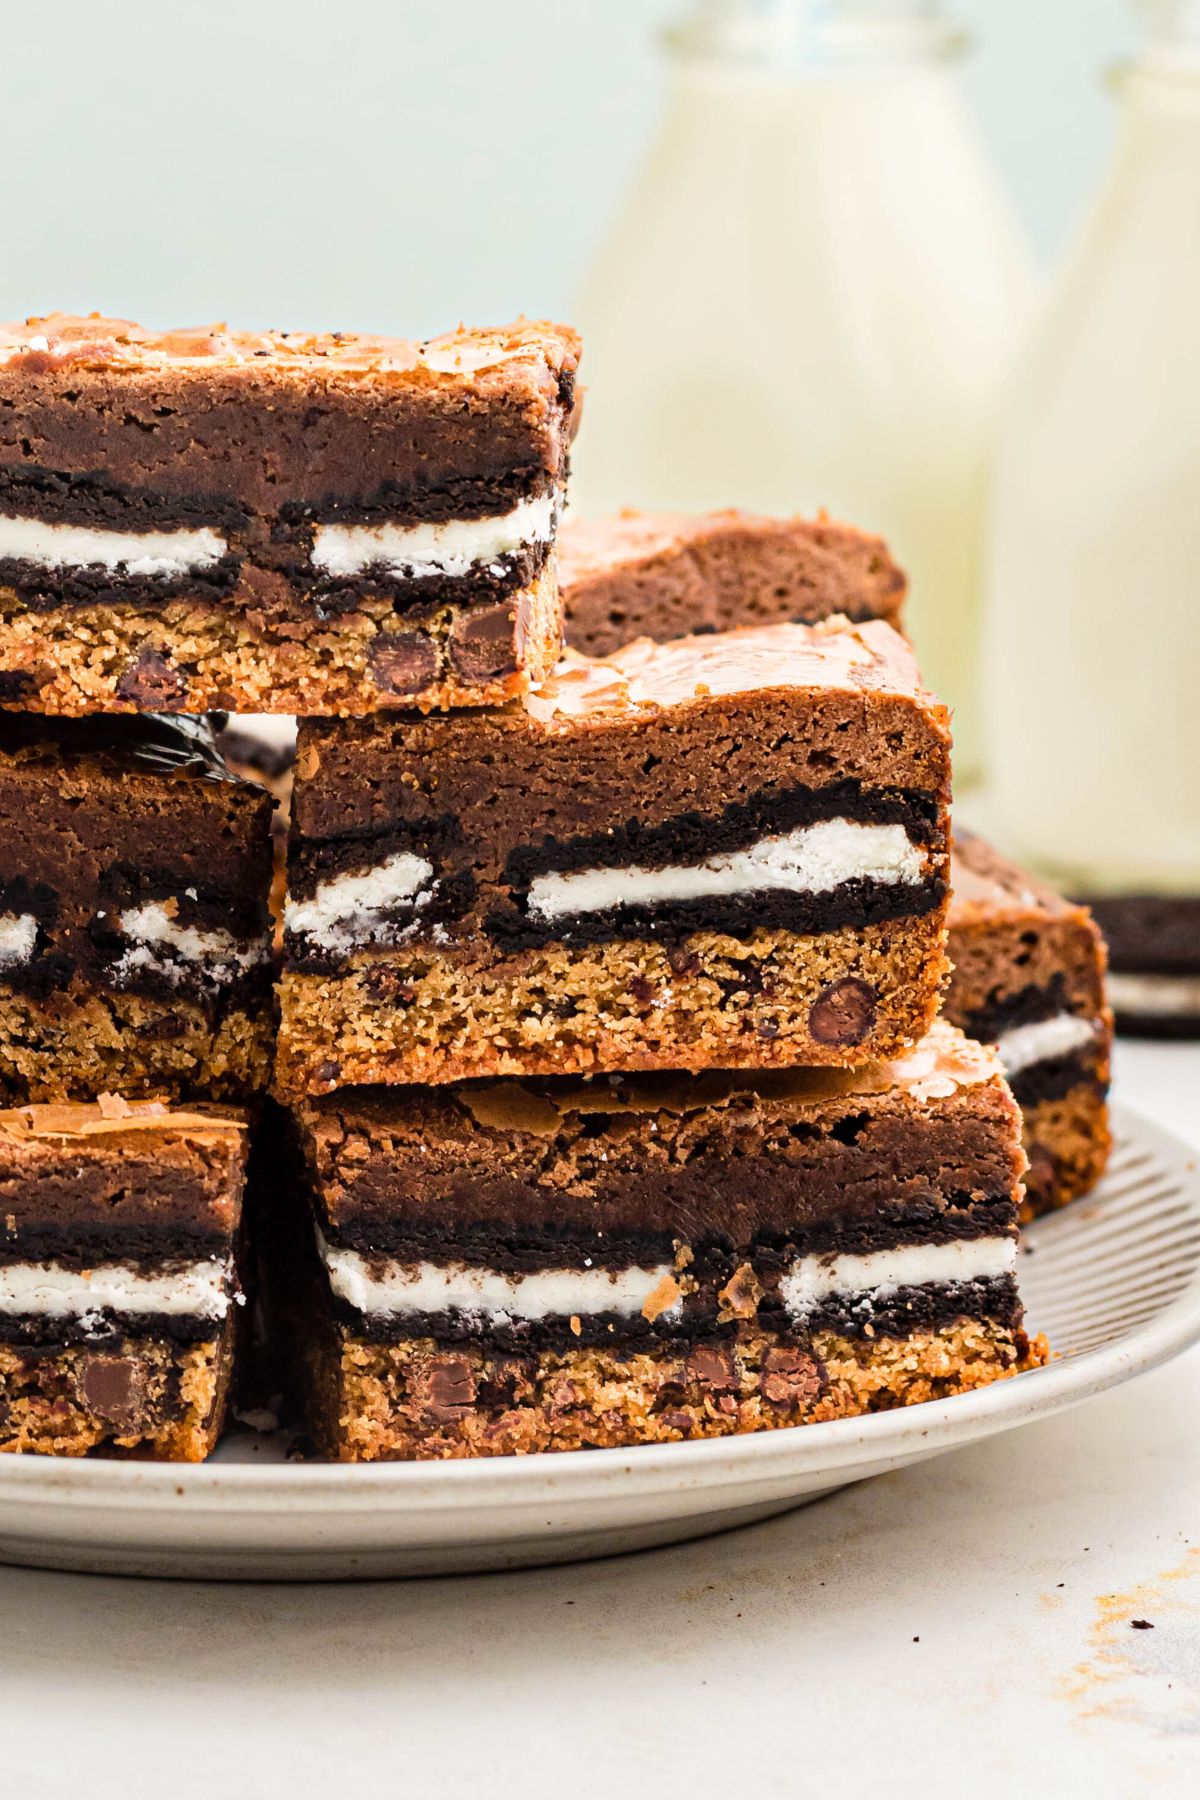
(403, 1288)
(345, 910)
(1155, 996)
(124, 552)
(199, 1290)
(451, 547)
(160, 944)
(18, 938)
(1044, 1040)
(812, 860)
(812, 1280)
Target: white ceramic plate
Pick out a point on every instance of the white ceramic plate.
(1114, 1282)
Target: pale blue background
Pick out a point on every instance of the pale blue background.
(401, 164)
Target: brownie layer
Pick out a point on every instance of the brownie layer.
(195, 521)
(660, 575)
(289, 419)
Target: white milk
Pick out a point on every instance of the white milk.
(1094, 590)
(807, 301)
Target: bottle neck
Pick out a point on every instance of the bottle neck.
(815, 37)
(1166, 64)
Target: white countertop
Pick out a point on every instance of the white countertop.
(966, 1620)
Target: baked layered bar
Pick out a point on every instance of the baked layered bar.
(663, 575)
(1028, 976)
(281, 522)
(119, 1292)
(135, 936)
(731, 850)
(1154, 962)
(516, 1266)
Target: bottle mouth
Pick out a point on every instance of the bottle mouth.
(808, 36)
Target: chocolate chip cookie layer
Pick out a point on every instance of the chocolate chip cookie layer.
(135, 950)
(534, 1265)
(725, 851)
(281, 522)
(1029, 976)
(119, 1293)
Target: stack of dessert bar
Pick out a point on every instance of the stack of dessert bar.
(610, 1101)
(617, 1107)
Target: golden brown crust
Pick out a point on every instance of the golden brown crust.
(419, 1015)
(226, 657)
(417, 1399)
(1068, 1142)
(169, 1401)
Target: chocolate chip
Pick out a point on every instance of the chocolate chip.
(451, 1388)
(328, 1072)
(152, 682)
(677, 1421)
(114, 1387)
(164, 1029)
(789, 1376)
(843, 1012)
(482, 642)
(641, 990)
(403, 662)
(387, 986)
(711, 1368)
(684, 962)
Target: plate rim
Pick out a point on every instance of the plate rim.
(835, 1445)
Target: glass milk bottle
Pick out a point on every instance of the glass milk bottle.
(1094, 565)
(808, 298)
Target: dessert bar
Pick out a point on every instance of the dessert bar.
(1154, 961)
(280, 522)
(663, 575)
(514, 1266)
(1028, 976)
(135, 944)
(731, 850)
(119, 1295)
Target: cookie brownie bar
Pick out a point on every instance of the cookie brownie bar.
(725, 851)
(1154, 962)
(1028, 975)
(135, 948)
(516, 1266)
(119, 1294)
(662, 575)
(285, 522)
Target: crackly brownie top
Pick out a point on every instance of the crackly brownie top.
(111, 1117)
(528, 354)
(127, 743)
(868, 659)
(935, 1069)
(590, 547)
(988, 887)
